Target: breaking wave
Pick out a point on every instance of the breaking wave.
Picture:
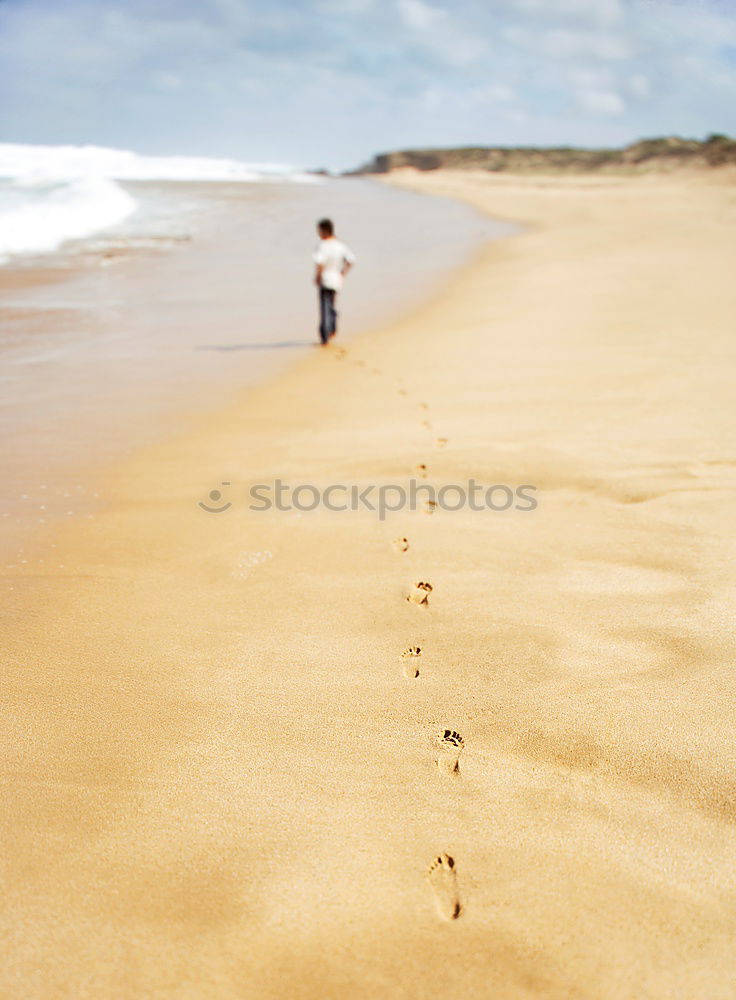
(52, 194)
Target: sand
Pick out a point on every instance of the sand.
(119, 342)
(223, 778)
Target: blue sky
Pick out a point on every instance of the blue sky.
(330, 82)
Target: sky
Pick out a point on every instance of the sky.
(329, 83)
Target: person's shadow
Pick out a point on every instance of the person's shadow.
(265, 346)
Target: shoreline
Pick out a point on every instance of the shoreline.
(118, 344)
(213, 740)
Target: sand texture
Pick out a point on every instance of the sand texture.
(243, 757)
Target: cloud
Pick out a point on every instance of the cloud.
(565, 43)
(600, 77)
(495, 93)
(331, 81)
(167, 81)
(603, 12)
(638, 85)
(417, 14)
(344, 7)
(440, 33)
(601, 102)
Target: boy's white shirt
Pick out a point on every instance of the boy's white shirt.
(332, 255)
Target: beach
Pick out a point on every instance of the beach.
(228, 772)
(121, 337)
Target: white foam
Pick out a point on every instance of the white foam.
(21, 161)
(52, 194)
(48, 214)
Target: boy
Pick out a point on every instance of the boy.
(333, 261)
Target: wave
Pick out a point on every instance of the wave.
(39, 216)
(52, 194)
(67, 162)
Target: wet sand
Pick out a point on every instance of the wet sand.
(224, 778)
(126, 338)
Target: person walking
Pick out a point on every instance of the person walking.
(333, 260)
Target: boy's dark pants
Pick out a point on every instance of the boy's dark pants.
(327, 313)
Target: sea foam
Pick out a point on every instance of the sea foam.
(52, 194)
(38, 216)
(120, 164)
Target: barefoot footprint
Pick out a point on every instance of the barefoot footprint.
(420, 593)
(441, 442)
(442, 876)
(449, 745)
(430, 506)
(410, 659)
(400, 544)
(421, 470)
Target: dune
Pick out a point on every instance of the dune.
(248, 754)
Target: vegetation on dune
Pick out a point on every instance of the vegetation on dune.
(648, 154)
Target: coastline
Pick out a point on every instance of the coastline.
(129, 336)
(222, 778)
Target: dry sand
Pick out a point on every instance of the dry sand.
(223, 781)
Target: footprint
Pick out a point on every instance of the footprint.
(403, 392)
(421, 470)
(424, 406)
(426, 425)
(441, 442)
(442, 876)
(429, 507)
(410, 659)
(400, 544)
(339, 353)
(420, 593)
(449, 745)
